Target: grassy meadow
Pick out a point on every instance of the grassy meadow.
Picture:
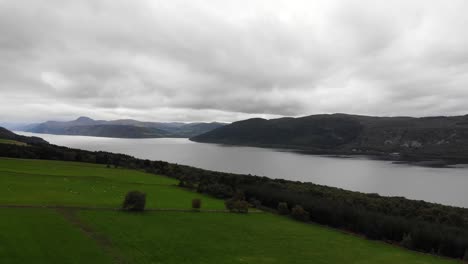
(14, 142)
(37, 182)
(44, 235)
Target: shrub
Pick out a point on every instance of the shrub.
(196, 204)
(299, 213)
(407, 241)
(255, 203)
(134, 201)
(186, 184)
(237, 206)
(283, 208)
(465, 257)
(217, 190)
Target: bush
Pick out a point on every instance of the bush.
(217, 190)
(283, 208)
(465, 257)
(407, 241)
(134, 201)
(196, 204)
(299, 213)
(255, 203)
(187, 184)
(237, 206)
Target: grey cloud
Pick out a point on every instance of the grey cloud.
(226, 60)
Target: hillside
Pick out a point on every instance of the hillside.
(46, 203)
(124, 128)
(417, 225)
(5, 134)
(428, 137)
(117, 131)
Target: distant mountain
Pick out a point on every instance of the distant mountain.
(124, 128)
(435, 137)
(16, 125)
(117, 131)
(188, 130)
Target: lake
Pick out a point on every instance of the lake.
(442, 185)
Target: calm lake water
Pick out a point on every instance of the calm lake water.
(442, 185)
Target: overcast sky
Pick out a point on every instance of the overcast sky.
(229, 60)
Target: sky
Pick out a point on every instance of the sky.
(223, 60)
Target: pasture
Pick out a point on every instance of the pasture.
(97, 233)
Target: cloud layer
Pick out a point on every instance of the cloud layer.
(228, 60)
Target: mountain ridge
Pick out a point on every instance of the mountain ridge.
(436, 137)
(121, 128)
(7, 134)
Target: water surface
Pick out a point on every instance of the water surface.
(442, 185)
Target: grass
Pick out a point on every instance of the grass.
(32, 235)
(231, 238)
(43, 236)
(14, 142)
(78, 169)
(37, 182)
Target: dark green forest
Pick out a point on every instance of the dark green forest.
(440, 138)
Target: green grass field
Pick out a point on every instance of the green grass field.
(232, 238)
(43, 235)
(35, 182)
(14, 142)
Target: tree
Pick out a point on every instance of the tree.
(407, 241)
(465, 257)
(283, 208)
(255, 202)
(299, 213)
(196, 204)
(134, 201)
(237, 204)
(216, 189)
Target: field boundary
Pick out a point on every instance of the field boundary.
(59, 207)
(86, 177)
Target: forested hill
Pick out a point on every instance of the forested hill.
(124, 128)
(428, 137)
(6, 134)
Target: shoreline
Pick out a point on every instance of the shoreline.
(411, 158)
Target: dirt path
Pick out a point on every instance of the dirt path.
(104, 242)
(69, 213)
